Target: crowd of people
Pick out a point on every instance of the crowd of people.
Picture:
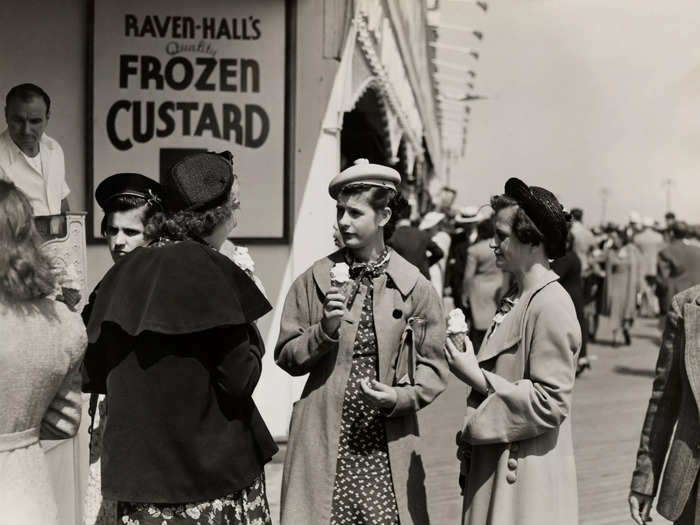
(613, 272)
(168, 349)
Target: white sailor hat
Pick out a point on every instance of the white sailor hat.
(362, 172)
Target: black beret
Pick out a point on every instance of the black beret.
(133, 184)
(545, 212)
(200, 181)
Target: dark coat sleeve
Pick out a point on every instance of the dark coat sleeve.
(435, 253)
(236, 362)
(92, 370)
(662, 411)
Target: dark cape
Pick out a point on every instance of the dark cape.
(174, 346)
(178, 288)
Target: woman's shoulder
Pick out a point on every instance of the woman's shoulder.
(554, 301)
(60, 323)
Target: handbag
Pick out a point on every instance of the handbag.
(411, 339)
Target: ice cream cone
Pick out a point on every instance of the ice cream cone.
(459, 339)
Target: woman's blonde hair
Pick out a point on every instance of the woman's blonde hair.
(25, 271)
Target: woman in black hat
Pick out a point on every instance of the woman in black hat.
(174, 344)
(516, 445)
(352, 456)
(128, 201)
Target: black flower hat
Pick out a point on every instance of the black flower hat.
(199, 182)
(545, 212)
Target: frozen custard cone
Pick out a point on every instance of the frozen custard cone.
(457, 329)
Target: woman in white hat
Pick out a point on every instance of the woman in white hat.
(352, 454)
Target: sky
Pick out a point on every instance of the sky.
(586, 97)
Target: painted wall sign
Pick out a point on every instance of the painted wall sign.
(172, 78)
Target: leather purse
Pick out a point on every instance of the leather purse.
(411, 339)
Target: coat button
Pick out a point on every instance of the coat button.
(512, 464)
(397, 314)
(511, 477)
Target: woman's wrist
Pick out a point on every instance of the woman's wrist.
(481, 384)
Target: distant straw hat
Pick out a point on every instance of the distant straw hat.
(432, 218)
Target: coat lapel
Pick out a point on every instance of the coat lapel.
(691, 320)
(506, 335)
(510, 330)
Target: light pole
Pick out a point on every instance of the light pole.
(604, 192)
(668, 182)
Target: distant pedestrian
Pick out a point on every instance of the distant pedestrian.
(352, 456)
(679, 264)
(517, 439)
(483, 282)
(584, 240)
(568, 268)
(463, 236)
(649, 242)
(432, 224)
(621, 284)
(413, 244)
(673, 405)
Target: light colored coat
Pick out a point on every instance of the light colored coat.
(521, 469)
(312, 451)
(40, 355)
(483, 281)
(622, 282)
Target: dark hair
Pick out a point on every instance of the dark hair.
(523, 228)
(25, 271)
(190, 224)
(670, 215)
(378, 199)
(402, 207)
(679, 229)
(26, 92)
(577, 214)
(484, 229)
(126, 203)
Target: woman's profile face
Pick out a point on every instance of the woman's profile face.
(358, 222)
(124, 231)
(510, 252)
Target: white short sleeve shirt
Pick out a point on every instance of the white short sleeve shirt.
(42, 178)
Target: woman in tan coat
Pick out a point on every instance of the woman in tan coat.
(352, 456)
(516, 442)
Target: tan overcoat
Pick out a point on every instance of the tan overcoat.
(310, 465)
(521, 469)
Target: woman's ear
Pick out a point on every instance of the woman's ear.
(384, 215)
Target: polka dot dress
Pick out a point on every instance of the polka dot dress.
(363, 492)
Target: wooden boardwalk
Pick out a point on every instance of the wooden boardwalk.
(609, 405)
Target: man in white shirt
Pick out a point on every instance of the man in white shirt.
(583, 239)
(30, 158)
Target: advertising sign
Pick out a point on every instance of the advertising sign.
(172, 78)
